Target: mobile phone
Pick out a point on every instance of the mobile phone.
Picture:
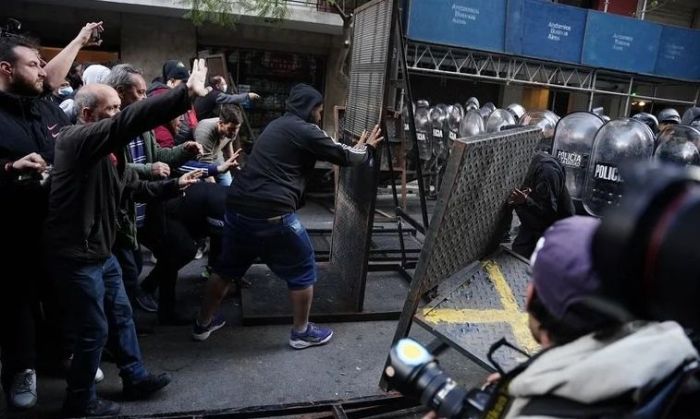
(95, 36)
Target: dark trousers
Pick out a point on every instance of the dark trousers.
(131, 262)
(17, 327)
(97, 313)
(174, 249)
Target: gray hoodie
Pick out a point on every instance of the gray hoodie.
(589, 370)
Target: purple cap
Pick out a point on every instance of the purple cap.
(562, 264)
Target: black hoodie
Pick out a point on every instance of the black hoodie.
(284, 155)
(549, 200)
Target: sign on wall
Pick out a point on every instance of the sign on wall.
(545, 30)
(620, 43)
(679, 53)
(477, 24)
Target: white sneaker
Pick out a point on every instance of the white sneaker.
(99, 375)
(23, 390)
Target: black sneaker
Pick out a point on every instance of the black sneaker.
(143, 389)
(201, 333)
(97, 407)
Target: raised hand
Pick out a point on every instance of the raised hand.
(89, 35)
(198, 77)
(375, 136)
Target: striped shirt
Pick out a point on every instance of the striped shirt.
(138, 155)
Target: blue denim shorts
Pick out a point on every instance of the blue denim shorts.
(281, 243)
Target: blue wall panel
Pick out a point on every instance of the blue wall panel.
(620, 43)
(477, 24)
(679, 53)
(545, 30)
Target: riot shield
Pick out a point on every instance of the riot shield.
(679, 144)
(472, 124)
(423, 128)
(517, 110)
(498, 119)
(486, 110)
(455, 113)
(408, 143)
(573, 143)
(617, 142)
(438, 118)
(545, 120)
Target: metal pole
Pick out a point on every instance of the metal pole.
(644, 10)
(590, 98)
(412, 123)
(629, 95)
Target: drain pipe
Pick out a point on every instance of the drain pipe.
(605, 7)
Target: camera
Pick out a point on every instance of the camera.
(415, 372)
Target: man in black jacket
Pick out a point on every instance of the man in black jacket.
(260, 216)
(28, 128)
(90, 178)
(208, 106)
(540, 202)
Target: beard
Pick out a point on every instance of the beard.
(23, 87)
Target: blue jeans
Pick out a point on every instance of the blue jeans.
(131, 262)
(224, 179)
(282, 244)
(97, 313)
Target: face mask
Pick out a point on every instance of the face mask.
(224, 88)
(65, 91)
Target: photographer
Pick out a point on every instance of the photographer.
(591, 364)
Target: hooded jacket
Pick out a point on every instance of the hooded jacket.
(283, 157)
(590, 371)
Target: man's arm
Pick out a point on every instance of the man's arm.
(541, 205)
(93, 141)
(149, 191)
(98, 139)
(325, 148)
(57, 69)
(225, 98)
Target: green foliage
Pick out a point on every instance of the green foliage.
(226, 12)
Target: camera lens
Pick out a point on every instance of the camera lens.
(414, 372)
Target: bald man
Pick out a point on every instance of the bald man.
(89, 181)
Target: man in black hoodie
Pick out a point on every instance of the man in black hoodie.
(540, 202)
(260, 218)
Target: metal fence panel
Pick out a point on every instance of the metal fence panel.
(479, 177)
(357, 186)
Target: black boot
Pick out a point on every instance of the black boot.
(142, 389)
(97, 407)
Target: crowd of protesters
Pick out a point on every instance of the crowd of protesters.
(94, 165)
